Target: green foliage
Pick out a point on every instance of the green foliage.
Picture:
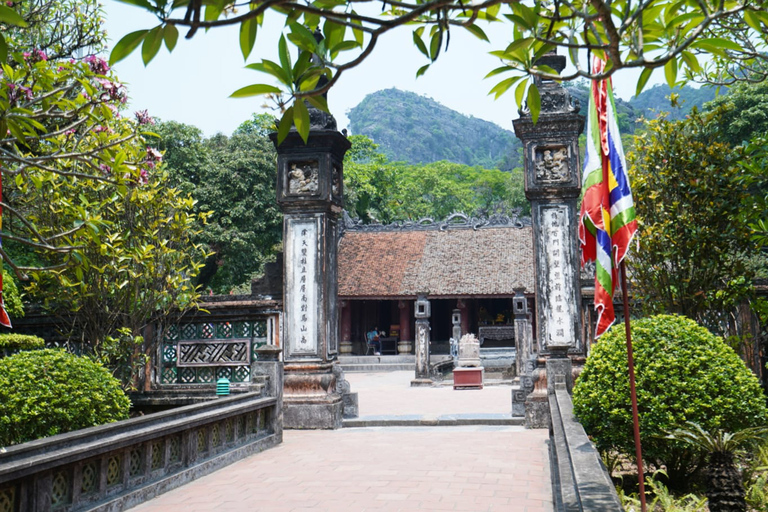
(232, 180)
(684, 373)
(744, 112)
(11, 296)
(380, 191)
(662, 499)
(48, 392)
(12, 341)
(417, 130)
(690, 197)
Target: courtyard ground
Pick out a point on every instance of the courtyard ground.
(478, 468)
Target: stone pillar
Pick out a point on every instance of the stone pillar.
(309, 192)
(523, 331)
(405, 344)
(553, 186)
(464, 316)
(456, 320)
(345, 345)
(422, 312)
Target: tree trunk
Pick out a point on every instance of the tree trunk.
(724, 488)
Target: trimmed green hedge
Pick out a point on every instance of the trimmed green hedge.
(684, 373)
(48, 392)
(9, 342)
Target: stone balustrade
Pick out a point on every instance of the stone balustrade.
(115, 466)
(580, 480)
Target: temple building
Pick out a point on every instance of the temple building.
(473, 267)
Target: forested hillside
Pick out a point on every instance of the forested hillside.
(415, 129)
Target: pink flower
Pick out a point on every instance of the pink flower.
(97, 64)
(105, 169)
(143, 117)
(154, 155)
(143, 177)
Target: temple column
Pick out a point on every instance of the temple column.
(553, 186)
(405, 344)
(345, 344)
(422, 312)
(460, 304)
(310, 194)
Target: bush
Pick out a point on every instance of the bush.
(15, 342)
(48, 392)
(684, 373)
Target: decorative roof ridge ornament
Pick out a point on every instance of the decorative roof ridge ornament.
(456, 220)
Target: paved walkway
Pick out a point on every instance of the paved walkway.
(471, 468)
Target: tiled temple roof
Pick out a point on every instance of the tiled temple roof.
(445, 263)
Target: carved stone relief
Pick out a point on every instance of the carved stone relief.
(551, 164)
(303, 178)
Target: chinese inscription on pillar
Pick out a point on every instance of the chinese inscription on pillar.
(302, 319)
(561, 310)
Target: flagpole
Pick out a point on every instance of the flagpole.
(632, 390)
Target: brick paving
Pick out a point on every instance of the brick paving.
(470, 468)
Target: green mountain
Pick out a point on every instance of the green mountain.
(656, 99)
(416, 129)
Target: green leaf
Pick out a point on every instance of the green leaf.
(423, 69)
(212, 12)
(520, 92)
(3, 49)
(151, 44)
(170, 36)
(302, 38)
(498, 71)
(670, 72)
(752, 20)
(11, 17)
(716, 45)
(285, 57)
(534, 102)
(248, 36)
(478, 32)
(434, 45)
(333, 33)
(126, 45)
(419, 43)
(285, 125)
(691, 61)
(503, 86)
(343, 46)
(301, 119)
(254, 90)
(319, 102)
(644, 76)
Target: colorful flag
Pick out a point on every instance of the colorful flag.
(607, 220)
(4, 319)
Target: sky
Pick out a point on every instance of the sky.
(192, 85)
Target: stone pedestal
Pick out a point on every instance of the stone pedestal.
(468, 378)
(310, 194)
